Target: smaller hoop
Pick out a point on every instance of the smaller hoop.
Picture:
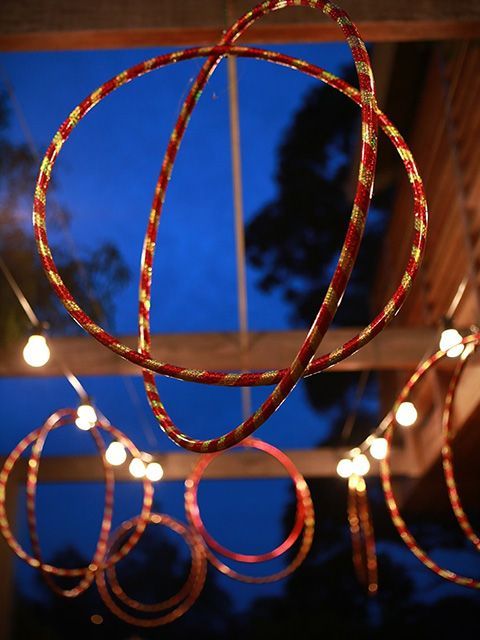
(182, 601)
(304, 519)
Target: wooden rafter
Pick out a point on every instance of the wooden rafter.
(394, 349)
(312, 463)
(60, 25)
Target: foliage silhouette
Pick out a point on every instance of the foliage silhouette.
(153, 571)
(94, 283)
(294, 240)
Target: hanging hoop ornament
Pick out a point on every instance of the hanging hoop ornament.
(397, 519)
(59, 419)
(181, 602)
(364, 553)
(447, 453)
(304, 362)
(304, 519)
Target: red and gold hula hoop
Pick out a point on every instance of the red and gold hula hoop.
(57, 420)
(397, 519)
(447, 453)
(364, 553)
(179, 603)
(303, 364)
(304, 519)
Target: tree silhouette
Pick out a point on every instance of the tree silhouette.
(295, 239)
(153, 571)
(101, 273)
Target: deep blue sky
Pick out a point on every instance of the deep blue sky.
(106, 176)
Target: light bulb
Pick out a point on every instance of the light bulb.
(353, 481)
(36, 352)
(360, 465)
(449, 342)
(154, 471)
(115, 454)
(86, 417)
(361, 486)
(137, 468)
(406, 414)
(378, 449)
(345, 468)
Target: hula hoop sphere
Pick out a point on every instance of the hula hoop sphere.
(305, 361)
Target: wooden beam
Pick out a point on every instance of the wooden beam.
(59, 25)
(312, 463)
(394, 349)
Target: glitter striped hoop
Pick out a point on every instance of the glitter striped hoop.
(364, 553)
(37, 437)
(304, 519)
(447, 453)
(318, 364)
(181, 602)
(392, 505)
(303, 364)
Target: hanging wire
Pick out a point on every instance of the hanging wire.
(29, 312)
(35, 322)
(242, 298)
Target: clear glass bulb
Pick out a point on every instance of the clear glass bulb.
(360, 465)
(154, 471)
(406, 414)
(345, 468)
(137, 468)
(378, 449)
(36, 352)
(449, 342)
(115, 454)
(86, 417)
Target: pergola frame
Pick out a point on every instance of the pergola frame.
(58, 25)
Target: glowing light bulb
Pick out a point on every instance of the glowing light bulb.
(449, 342)
(361, 486)
(353, 481)
(345, 468)
(137, 468)
(86, 417)
(115, 454)
(360, 465)
(378, 449)
(154, 471)
(36, 352)
(406, 414)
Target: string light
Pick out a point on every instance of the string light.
(406, 414)
(360, 465)
(378, 448)
(86, 416)
(154, 471)
(449, 342)
(137, 468)
(36, 352)
(345, 468)
(361, 486)
(115, 454)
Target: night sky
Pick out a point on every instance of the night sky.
(105, 177)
